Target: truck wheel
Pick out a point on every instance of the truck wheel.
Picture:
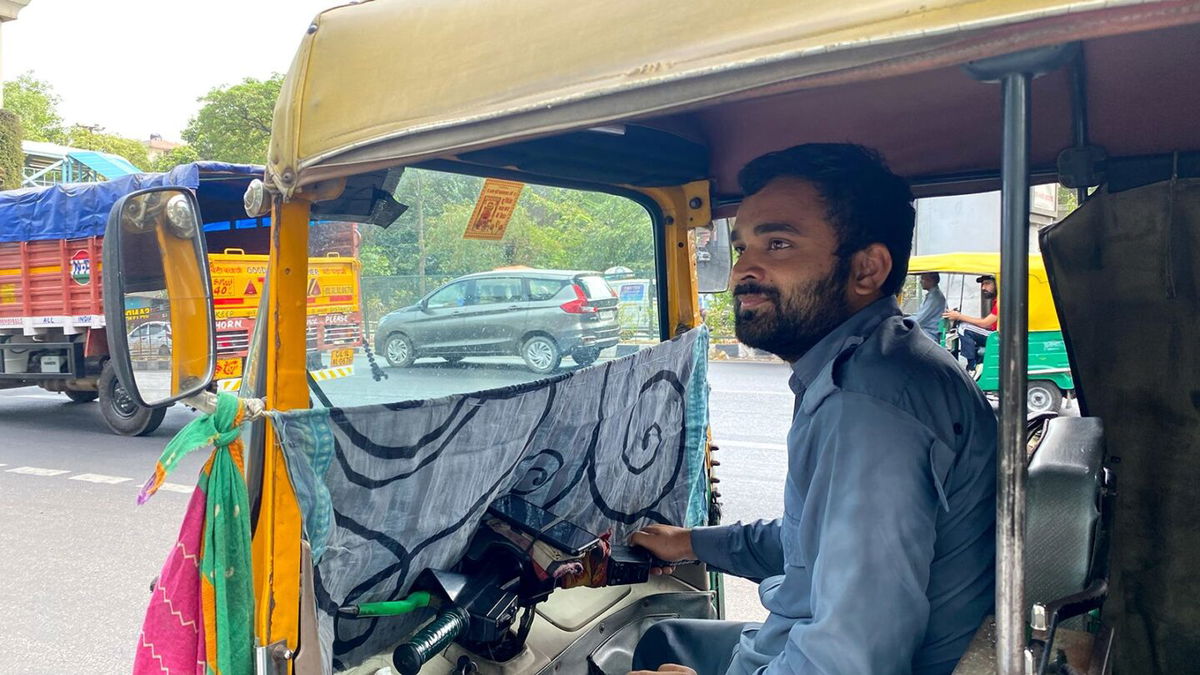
(398, 350)
(585, 356)
(1043, 396)
(82, 396)
(541, 354)
(121, 413)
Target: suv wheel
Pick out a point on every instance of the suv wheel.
(541, 354)
(585, 356)
(398, 350)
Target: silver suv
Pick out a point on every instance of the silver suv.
(539, 315)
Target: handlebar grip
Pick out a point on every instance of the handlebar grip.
(430, 640)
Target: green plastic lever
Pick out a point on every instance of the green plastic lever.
(412, 603)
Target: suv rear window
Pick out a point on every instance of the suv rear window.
(544, 289)
(596, 288)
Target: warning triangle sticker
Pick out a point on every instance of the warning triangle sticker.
(250, 289)
(314, 288)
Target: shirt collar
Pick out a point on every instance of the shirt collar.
(852, 331)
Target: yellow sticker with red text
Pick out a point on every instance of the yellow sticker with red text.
(494, 208)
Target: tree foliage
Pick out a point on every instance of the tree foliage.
(36, 103)
(234, 123)
(551, 228)
(184, 154)
(12, 159)
(94, 138)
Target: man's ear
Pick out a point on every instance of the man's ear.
(869, 269)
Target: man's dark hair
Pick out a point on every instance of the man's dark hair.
(865, 202)
(937, 278)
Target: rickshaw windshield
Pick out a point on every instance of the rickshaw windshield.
(478, 285)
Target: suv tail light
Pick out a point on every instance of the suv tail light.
(579, 304)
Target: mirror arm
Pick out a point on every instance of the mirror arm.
(206, 402)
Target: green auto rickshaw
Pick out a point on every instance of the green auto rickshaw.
(1049, 371)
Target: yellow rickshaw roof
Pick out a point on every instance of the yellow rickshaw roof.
(388, 82)
(1042, 313)
(970, 262)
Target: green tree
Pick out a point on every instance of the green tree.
(93, 138)
(36, 103)
(184, 154)
(551, 228)
(12, 160)
(234, 124)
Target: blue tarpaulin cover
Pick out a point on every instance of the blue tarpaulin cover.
(76, 210)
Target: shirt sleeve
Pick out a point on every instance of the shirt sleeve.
(750, 551)
(871, 512)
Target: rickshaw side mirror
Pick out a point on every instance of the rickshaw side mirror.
(156, 270)
(714, 257)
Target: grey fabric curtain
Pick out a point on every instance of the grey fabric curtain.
(389, 490)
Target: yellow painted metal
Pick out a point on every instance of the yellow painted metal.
(276, 546)
(461, 74)
(191, 341)
(684, 208)
(1042, 314)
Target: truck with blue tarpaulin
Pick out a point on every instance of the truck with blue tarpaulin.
(52, 328)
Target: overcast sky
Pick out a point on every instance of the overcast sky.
(136, 67)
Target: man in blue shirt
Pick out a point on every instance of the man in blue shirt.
(929, 316)
(883, 561)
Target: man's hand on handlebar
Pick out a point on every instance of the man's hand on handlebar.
(668, 543)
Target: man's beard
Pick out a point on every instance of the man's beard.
(794, 324)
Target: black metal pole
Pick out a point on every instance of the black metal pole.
(1014, 348)
(1079, 118)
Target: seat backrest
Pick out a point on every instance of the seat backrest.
(1063, 508)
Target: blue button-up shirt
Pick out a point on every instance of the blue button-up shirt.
(929, 316)
(883, 561)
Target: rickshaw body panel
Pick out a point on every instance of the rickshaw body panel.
(1048, 360)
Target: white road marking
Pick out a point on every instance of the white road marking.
(176, 487)
(725, 443)
(37, 471)
(99, 478)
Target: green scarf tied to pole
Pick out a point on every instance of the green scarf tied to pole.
(226, 584)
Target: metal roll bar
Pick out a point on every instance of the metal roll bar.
(1014, 72)
(1014, 356)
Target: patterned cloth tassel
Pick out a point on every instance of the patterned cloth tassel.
(200, 618)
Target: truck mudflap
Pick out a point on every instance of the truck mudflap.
(235, 383)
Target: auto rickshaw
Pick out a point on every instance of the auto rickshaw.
(1049, 374)
(663, 103)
